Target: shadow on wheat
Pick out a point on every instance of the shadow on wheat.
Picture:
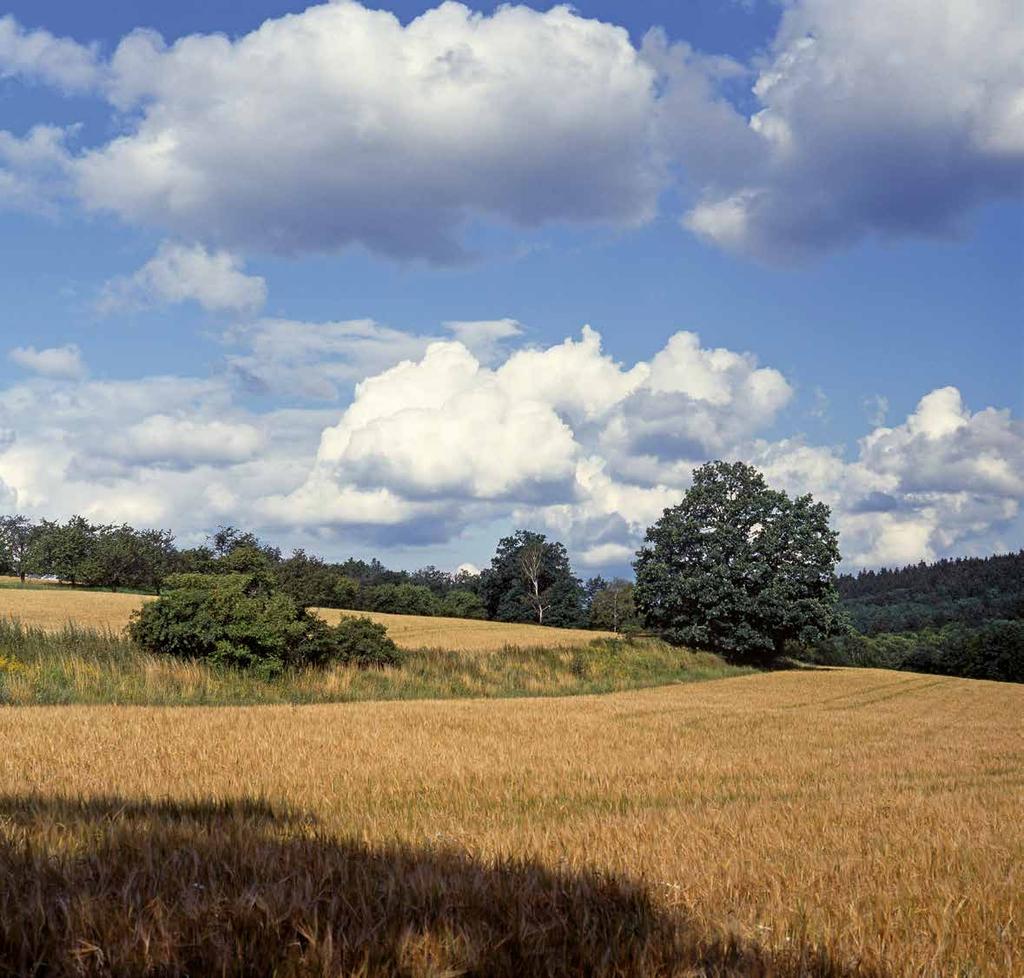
(117, 886)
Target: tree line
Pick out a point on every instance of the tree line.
(967, 591)
(530, 578)
(737, 567)
(962, 617)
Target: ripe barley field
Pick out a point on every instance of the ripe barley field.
(466, 635)
(54, 607)
(835, 823)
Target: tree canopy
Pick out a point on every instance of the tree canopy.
(530, 580)
(739, 567)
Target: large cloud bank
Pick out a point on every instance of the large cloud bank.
(341, 125)
(436, 441)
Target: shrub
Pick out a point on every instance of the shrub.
(240, 620)
(360, 642)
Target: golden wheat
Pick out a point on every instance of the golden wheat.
(832, 822)
(55, 607)
(466, 635)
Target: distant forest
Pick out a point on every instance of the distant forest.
(967, 591)
(962, 617)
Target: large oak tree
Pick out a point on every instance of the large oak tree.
(739, 567)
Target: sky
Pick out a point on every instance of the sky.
(394, 279)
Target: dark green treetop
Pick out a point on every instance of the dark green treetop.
(530, 580)
(739, 567)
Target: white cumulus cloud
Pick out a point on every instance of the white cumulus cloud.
(54, 361)
(182, 273)
(539, 433)
(484, 338)
(34, 170)
(316, 360)
(184, 440)
(341, 125)
(448, 425)
(436, 442)
(37, 55)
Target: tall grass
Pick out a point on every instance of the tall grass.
(76, 665)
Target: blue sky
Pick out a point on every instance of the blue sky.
(832, 207)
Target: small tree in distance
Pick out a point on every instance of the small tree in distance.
(16, 533)
(531, 565)
(739, 568)
(530, 580)
(612, 607)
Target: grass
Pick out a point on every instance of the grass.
(833, 823)
(76, 665)
(54, 608)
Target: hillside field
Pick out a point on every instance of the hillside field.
(54, 606)
(814, 823)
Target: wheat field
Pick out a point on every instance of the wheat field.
(832, 823)
(55, 607)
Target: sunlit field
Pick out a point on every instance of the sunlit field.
(834, 822)
(53, 607)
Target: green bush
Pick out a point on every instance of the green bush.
(240, 620)
(360, 642)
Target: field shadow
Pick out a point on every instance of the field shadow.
(116, 887)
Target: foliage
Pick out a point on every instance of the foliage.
(969, 590)
(530, 580)
(954, 617)
(240, 620)
(64, 549)
(738, 567)
(16, 534)
(124, 557)
(345, 593)
(356, 641)
(462, 603)
(232, 619)
(994, 650)
(227, 539)
(309, 581)
(612, 607)
(401, 599)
